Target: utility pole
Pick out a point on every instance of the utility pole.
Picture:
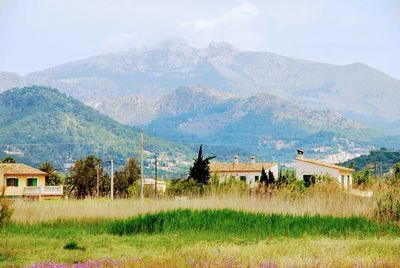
(98, 179)
(375, 167)
(141, 165)
(155, 179)
(112, 179)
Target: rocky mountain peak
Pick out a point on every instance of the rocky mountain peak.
(191, 98)
(221, 48)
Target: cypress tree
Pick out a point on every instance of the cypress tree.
(200, 171)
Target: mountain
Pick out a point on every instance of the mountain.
(383, 158)
(10, 80)
(40, 123)
(356, 90)
(83, 88)
(262, 124)
(198, 108)
(130, 110)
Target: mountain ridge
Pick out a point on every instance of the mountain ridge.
(45, 124)
(353, 89)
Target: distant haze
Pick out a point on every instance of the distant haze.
(41, 33)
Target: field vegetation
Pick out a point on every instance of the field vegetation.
(203, 222)
(317, 226)
(196, 238)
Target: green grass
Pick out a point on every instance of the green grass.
(179, 237)
(220, 224)
(223, 223)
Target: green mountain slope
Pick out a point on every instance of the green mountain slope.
(43, 124)
(263, 125)
(383, 158)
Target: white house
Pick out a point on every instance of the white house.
(249, 172)
(306, 168)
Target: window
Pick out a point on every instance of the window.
(12, 182)
(243, 178)
(31, 182)
(257, 178)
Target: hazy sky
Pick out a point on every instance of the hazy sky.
(35, 34)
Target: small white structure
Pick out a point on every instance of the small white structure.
(161, 185)
(306, 168)
(249, 172)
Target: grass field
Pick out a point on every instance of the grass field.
(199, 238)
(320, 227)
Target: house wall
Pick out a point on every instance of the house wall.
(304, 168)
(250, 175)
(22, 183)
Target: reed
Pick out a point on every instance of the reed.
(317, 201)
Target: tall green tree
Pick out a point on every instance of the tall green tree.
(200, 171)
(82, 182)
(8, 159)
(124, 178)
(52, 177)
(271, 178)
(264, 177)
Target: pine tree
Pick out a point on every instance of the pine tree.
(124, 178)
(83, 178)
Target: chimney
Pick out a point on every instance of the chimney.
(236, 159)
(300, 153)
(253, 160)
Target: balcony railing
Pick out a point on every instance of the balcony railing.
(43, 190)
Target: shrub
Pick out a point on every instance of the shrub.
(134, 190)
(233, 186)
(388, 205)
(73, 246)
(6, 209)
(186, 187)
(286, 177)
(363, 178)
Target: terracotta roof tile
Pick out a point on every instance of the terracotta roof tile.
(240, 167)
(19, 169)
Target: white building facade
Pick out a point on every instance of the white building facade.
(306, 168)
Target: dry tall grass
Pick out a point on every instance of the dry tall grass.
(323, 201)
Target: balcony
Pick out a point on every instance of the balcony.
(43, 190)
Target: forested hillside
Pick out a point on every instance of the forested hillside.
(382, 158)
(40, 123)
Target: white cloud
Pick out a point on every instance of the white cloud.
(120, 42)
(235, 17)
